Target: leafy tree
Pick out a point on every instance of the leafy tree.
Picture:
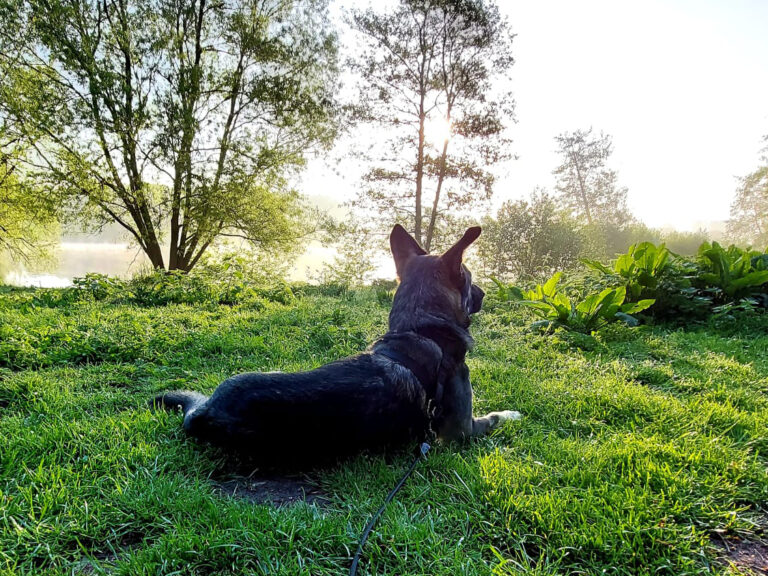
(586, 187)
(529, 239)
(185, 115)
(432, 62)
(749, 211)
(357, 244)
(27, 219)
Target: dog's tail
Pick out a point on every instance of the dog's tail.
(186, 400)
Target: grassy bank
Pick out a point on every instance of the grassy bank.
(641, 450)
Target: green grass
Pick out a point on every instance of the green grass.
(636, 448)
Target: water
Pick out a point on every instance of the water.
(76, 259)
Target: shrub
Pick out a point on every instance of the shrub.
(640, 269)
(731, 274)
(99, 286)
(653, 272)
(529, 239)
(160, 287)
(556, 308)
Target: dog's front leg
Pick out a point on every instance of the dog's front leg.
(488, 422)
(455, 421)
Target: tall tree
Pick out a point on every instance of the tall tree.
(749, 210)
(432, 64)
(586, 186)
(178, 119)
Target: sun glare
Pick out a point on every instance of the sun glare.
(437, 130)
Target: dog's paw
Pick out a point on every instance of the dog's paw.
(505, 415)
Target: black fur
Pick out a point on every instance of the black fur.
(411, 381)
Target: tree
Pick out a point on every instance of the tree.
(586, 187)
(356, 244)
(529, 239)
(185, 116)
(749, 211)
(432, 63)
(27, 219)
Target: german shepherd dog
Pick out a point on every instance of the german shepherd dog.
(411, 382)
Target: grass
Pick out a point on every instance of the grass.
(639, 450)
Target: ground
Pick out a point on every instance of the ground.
(641, 451)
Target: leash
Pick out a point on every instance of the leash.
(423, 449)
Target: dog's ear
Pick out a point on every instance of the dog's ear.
(404, 247)
(454, 255)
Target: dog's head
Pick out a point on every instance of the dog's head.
(432, 285)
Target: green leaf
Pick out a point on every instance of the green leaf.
(751, 280)
(634, 308)
(549, 288)
(595, 265)
(625, 265)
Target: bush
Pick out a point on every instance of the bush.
(557, 309)
(685, 243)
(529, 240)
(99, 286)
(639, 270)
(732, 274)
(160, 287)
(606, 240)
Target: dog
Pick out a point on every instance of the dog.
(411, 383)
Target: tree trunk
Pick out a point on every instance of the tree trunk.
(154, 253)
(419, 176)
(582, 188)
(433, 216)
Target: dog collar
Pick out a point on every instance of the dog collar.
(411, 351)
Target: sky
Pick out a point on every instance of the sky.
(681, 86)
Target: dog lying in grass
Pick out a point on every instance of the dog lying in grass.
(411, 382)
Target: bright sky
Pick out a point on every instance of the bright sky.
(681, 85)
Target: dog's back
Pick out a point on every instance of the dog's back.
(363, 402)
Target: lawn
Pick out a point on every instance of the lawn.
(641, 451)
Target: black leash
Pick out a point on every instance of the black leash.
(423, 449)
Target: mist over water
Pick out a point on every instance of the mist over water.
(74, 259)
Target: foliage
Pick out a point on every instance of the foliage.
(606, 240)
(749, 211)
(228, 280)
(155, 113)
(719, 281)
(557, 309)
(528, 240)
(677, 299)
(422, 64)
(27, 218)
(357, 244)
(640, 269)
(99, 286)
(586, 187)
(685, 243)
(731, 274)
